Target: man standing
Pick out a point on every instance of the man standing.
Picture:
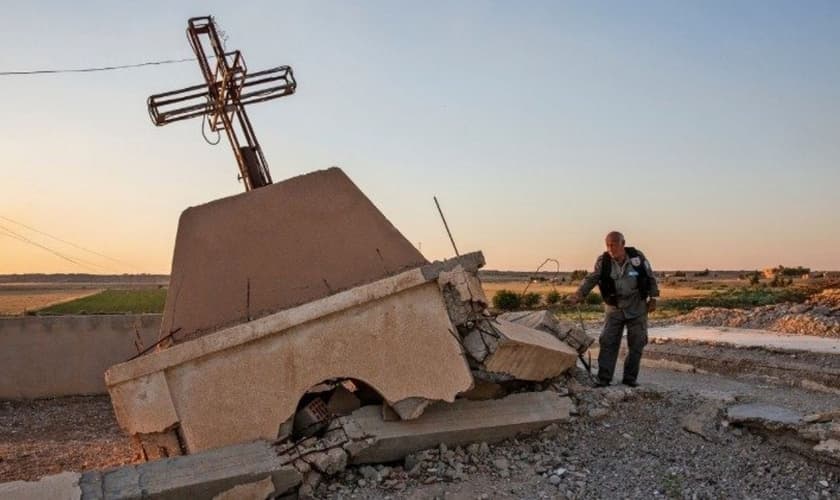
(628, 286)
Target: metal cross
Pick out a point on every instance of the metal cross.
(222, 98)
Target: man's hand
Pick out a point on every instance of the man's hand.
(574, 298)
(651, 305)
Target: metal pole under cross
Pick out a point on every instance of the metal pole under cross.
(228, 88)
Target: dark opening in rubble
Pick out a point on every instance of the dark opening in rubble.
(325, 401)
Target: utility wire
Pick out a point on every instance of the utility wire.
(79, 262)
(95, 69)
(68, 242)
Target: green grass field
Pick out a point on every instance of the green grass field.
(112, 302)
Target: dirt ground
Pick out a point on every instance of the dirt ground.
(47, 436)
(637, 450)
(14, 302)
(667, 291)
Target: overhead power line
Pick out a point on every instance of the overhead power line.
(94, 69)
(79, 262)
(68, 242)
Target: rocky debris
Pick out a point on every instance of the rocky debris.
(704, 420)
(546, 321)
(764, 416)
(640, 437)
(816, 436)
(819, 315)
(812, 370)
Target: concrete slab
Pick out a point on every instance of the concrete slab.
(200, 476)
(528, 354)
(64, 486)
(256, 253)
(459, 423)
(764, 415)
(747, 338)
(546, 321)
(242, 383)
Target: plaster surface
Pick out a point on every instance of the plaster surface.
(240, 384)
(256, 253)
(52, 356)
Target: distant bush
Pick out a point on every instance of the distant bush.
(792, 271)
(507, 300)
(552, 297)
(531, 299)
(679, 274)
(578, 274)
(779, 281)
(594, 299)
(705, 272)
(754, 277)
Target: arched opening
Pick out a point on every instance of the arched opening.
(325, 401)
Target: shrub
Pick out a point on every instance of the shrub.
(702, 273)
(578, 274)
(793, 271)
(507, 300)
(679, 274)
(754, 277)
(594, 299)
(531, 299)
(552, 297)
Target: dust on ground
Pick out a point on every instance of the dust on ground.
(48, 436)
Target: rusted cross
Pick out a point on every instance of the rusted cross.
(222, 98)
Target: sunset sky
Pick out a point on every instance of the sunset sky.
(708, 132)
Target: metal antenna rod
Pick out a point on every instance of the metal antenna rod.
(446, 226)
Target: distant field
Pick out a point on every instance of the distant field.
(16, 302)
(113, 302)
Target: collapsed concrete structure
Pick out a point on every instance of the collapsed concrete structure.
(299, 303)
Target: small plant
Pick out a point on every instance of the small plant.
(507, 300)
(578, 274)
(531, 299)
(705, 272)
(754, 277)
(679, 274)
(552, 297)
(594, 299)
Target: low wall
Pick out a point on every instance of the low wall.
(47, 356)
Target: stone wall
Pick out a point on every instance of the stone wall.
(47, 356)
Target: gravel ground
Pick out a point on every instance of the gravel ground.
(637, 450)
(47, 436)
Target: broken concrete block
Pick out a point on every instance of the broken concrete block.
(63, 486)
(825, 416)
(329, 462)
(241, 383)
(703, 420)
(528, 354)
(546, 321)
(763, 416)
(463, 293)
(157, 445)
(203, 475)
(280, 246)
(258, 490)
(460, 423)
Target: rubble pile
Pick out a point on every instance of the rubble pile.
(816, 436)
(819, 315)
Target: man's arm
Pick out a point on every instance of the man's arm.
(653, 285)
(589, 281)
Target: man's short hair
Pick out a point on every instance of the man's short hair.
(615, 235)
